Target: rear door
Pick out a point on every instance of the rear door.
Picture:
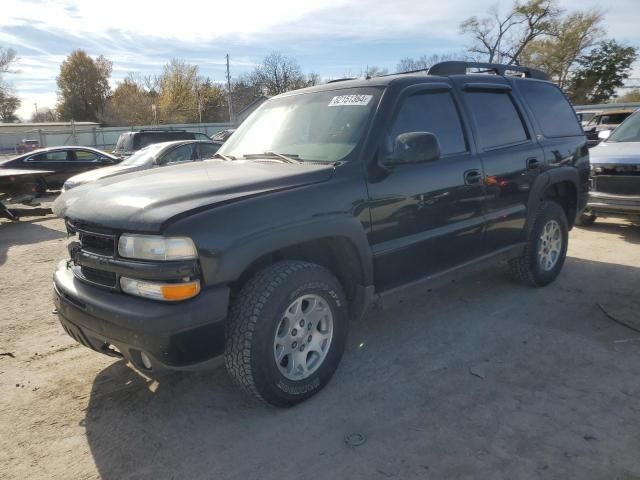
(511, 156)
(427, 217)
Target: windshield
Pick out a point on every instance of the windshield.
(144, 156)
(319, 126)
(629, 131)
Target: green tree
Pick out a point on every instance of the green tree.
(212, 102)
(601, 72)
(83, 87)
(9, 104)
(558, 54)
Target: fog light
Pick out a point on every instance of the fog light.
(146, 361)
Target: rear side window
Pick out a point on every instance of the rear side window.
(555, 116)
(496, 118)
(207, 150)
(434, 113)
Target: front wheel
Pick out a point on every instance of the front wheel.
(546, 248)
(287, 332)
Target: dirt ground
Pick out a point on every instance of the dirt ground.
(481, 378)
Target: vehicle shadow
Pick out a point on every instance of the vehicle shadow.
(543, 374)
(627, 231)
(24, 233)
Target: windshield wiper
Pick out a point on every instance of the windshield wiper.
(226, 158)
(285, 157)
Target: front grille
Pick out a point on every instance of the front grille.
(98, 244)
(627, 185)
(100, 277)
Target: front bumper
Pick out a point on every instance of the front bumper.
(619, 205)
(179, 335)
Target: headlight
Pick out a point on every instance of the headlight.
(160, 291)
(68, 185)
(151, 247)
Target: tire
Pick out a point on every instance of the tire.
(41, 187)
(586, 218)
(265, 322)
(537, 266)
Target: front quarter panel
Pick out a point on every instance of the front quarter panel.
(231, 237)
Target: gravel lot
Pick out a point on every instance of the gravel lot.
(481, 378)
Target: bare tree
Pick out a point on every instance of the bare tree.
(502, 39)
(425, 62)
(278, 74)
(7, 59)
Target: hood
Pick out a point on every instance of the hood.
(98, 173)
(619, 153)
(144, 201)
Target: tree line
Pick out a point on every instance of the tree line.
(572, 46)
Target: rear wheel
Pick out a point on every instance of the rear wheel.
(546, 249)
(287, 332)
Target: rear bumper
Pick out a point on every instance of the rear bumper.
(604, 204)
(179, 335)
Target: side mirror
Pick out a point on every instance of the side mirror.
(414, 147)
(604, 134)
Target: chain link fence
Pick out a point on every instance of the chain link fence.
(103, 138)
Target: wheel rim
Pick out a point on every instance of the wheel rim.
(549, 245)
(303, 337)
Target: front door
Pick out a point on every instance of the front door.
(427, 217)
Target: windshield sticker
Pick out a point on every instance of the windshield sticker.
(344, 100)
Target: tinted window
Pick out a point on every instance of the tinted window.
(555, 116)
(148, 138)
(180, 154)
(434, 113)
(59, 156)
(87, 156)
(206, 150)
(496, 119)
(613, 118)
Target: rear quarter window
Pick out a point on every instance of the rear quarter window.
(556, 118)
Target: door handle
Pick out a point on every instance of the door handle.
(472, 177)
(533, 163)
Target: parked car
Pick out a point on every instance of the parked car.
(155, 155)
(64, 162)
(223, 135)
(606, 120)
(131, 142)
(27, 146)
(585, 116)
(615, 174)
(322, 200)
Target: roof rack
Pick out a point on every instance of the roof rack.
(460, 68)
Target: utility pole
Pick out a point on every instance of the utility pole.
(229, 101)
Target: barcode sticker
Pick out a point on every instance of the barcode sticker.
(344, 100)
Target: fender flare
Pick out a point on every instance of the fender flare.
(543, 182)
(235, 260)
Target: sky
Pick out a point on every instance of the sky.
(333, 38)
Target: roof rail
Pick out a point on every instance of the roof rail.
(460, 68)
(340, 80)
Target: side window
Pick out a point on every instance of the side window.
(206, 150)
(550, 107)
(179, 154)
(86, 156)
(434, 113)
(59, 156)
(496, 119)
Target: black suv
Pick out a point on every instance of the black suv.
(130, 142)
(323, 200)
